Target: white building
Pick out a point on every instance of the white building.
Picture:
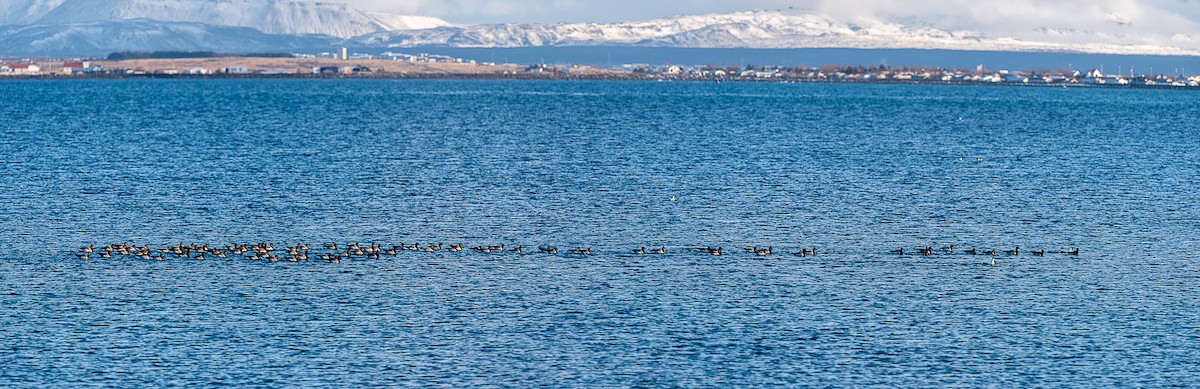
(24, 68)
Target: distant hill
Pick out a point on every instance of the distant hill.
(268, 16)
(101, 38)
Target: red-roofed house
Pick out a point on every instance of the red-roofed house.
(24, 68)
(75, 67)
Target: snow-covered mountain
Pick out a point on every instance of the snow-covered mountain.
(101, 26)
(393, 22)
(99, 38)
(25, 11)
(756, 29)
(269, 16)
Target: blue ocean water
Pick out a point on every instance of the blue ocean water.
(855, 171)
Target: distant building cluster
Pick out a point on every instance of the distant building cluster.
(30, 68)
(343, 54)
(930, 75)
(80, 67)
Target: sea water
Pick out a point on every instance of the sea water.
(855, 171)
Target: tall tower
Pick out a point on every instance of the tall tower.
(344, 56)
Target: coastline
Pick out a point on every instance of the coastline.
(232, 68)
(569, 77)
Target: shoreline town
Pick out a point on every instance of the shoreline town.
(429, 66)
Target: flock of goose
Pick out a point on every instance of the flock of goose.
(335, 253)
(928, 250)
(300, 252)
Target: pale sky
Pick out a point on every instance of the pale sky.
(1177, 20)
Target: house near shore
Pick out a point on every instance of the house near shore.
(76, 67)
(539, 68)
(327, 70)
(341, 69)
(1014, 78)
(19, 69)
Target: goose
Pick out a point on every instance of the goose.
(641, 251)
(1014, 251)
(661, 250)
(971, 251)
(898, 252)
(1040, 253)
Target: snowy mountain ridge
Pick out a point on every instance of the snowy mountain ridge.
(284, 17)
(41, 26)
(752, 29)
